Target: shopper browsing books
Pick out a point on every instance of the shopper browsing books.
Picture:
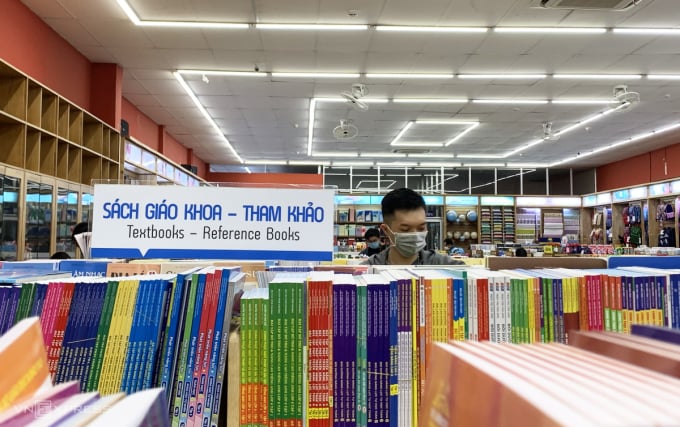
(404, 225)
(373, 245)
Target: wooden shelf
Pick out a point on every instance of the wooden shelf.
(48, 154)
(34, 106)
(92, 168)
(75, 165)
(75, 129)
(62, 159)
(62, 121)
(33, 150)
(13, 88)
(12, 144)
(50, 107)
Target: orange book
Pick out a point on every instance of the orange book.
(24, 359)
(116, 269)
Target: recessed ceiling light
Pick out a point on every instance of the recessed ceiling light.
(649, 31)
(317, 27)
(189, 24)
(502, 76)
(430, 29)
(479, 156)
(446, 122)
(440, 165)
(318, 75)
(265, 162)
(582, 101)
(335, 154)
(416, 144)
(598, 76)
(510, 101)
(663, 76)
(429, 100)
(550, 30)
(408, 76)
(308, 162)
(222, 73)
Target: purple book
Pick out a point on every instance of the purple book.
(344, 351)
(668, 335)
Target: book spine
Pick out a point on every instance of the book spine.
(393, 359)
(102, 336)
(60, 327)
(172, 338)
(362, 368)
(191, 353)
(130, 363)
(49, 311)
(187, 318)
(153, 377)
(299, 308)
(203, 378)
(216, 347)
(275, 348)
(112, 344)
(124, 336)
(96, 312)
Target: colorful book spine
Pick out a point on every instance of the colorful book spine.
(209, 364)
(191, 353)
(102, 334)
(192, 286)
(393, 346)
(173, 335)
(319, 349)
(85, 348)
(64, 307)
(362, 362)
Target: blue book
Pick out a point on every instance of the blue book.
(138, 361)
(95, 308)
(74, 324)
(39, 299)
(152, 333)
(219, 329)
(84, 267)
(668, 335)
(174, 331)
(133, 342)
(35, 265)
(191, 355)
(152, 376)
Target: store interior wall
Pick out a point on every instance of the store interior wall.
(658, 165)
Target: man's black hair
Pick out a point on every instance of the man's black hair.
(372, 232)
(401, 199)
(60, 255)
(81, 227)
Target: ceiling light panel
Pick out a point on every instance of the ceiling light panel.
(648, 31)
(430, 29)
(550, 30)
(407, 76)
(511, 101)
(501, 76)
(598, 76)
(313, 27)
(430, 100)
(222, 73)
(317, 75)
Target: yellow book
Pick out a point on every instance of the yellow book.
(414, 347)
(104, 386)
(124, 336)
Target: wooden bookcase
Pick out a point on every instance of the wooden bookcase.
(45, 133)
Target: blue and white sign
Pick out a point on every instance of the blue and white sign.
(212, 222)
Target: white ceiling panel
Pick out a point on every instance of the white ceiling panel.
(260, 115)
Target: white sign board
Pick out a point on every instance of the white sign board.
(211, 222)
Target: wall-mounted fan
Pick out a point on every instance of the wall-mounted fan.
(359, 90)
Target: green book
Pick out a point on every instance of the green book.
(361, 374)
(184, 349)
(102, 336)
(264, 371)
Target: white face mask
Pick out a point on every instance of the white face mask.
(409, 244)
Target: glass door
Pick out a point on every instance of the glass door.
(9, 217)
(38, 219)
(67, 217)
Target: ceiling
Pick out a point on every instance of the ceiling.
(265, 118)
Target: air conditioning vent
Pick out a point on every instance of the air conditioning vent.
(411, 151)
(618, 5)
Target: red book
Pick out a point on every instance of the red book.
(64, 307)
(209, 306)
(483, 308)
(50, 311)
(319, 349)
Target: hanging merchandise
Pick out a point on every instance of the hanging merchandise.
(670, 213)
(635, 235)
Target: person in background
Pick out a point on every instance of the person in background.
(404, 225)
(521, 252)
(448, 245)
(60, 255)
(373, 245)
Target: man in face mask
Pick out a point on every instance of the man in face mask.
(404, 224)
(373, 245)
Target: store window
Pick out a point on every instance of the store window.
(584, 181)
(38, 220)
(533, 182)
(9, 217)
(559, 181)
(483, 181)
(457, 180)
(508, 181)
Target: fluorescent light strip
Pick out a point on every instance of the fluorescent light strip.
(334, 154)
(526, 165)
(439, 165)
(336, 163)
(549, 30)
(401, 133)
(429, 100)
(430, 155)
(446, 122)
(318, 75)
(317, 27)
(222, 73)
(502, 76)
(265, 162)
(619, 143)
(429, 29)
(525, 147)
(663, 76)
(479, 156)
(248, 169)
(417, 144)
(310, 125)
(484, 165)
(598, 76)
(132, 16)
(205, 113)
(408, 76)
(343, 100)
(382, 155)
(649, 31)
(195, 24)
(462, 134)
(511, 101)
(582, 101)
(308, 162)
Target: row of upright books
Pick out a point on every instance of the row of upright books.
(28, 397)
(336, 349)
(132, 333)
